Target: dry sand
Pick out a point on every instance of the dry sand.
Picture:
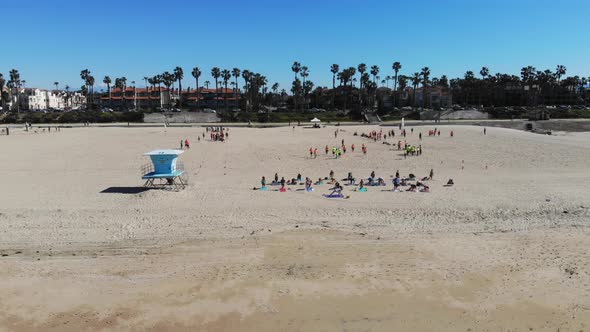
(505, 249)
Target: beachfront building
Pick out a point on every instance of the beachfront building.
(33, 99)
(75, 100)
(210, 98)
(140, 98)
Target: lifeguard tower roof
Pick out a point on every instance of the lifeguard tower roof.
(164, 153)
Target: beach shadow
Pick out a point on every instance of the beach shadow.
(124, 190)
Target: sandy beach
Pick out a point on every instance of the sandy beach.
(504, 249)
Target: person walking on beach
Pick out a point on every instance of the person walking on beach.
(327, 149)
(352, 147)
(420, 136)
(181, 144)
(484, 131)
(431, 174)
(310, 152)
(315, 153)
(187, 144)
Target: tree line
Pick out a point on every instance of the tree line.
(355, 88)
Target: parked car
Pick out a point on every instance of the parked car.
(175, 110)
(208, 110)
(106, 110)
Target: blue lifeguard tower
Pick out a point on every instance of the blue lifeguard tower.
(164, 171)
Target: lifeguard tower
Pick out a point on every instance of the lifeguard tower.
(164, 171)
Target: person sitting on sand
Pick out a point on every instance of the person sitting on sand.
(426, 189)
(283, 189)
(450, 183)
(299, 177)
(380, 182)
(319, 182)
(283, 181)
(362, 186)
(396, 183)
(332, 175)
(337, 189)
(411, 177)
(308, 184)
(350, 179)
(413, 188)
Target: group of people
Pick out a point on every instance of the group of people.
(185, 144)
(411, 181)
(337, 151)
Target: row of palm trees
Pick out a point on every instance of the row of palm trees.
(254, 83)
(467, 90)
(532, 87)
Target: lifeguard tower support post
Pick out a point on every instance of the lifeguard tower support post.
(164, 169)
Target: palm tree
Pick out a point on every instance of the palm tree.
(425, 75)
(374, 72)
(528, 75)
(416, 79)
(145, 79)
(396, 68)
(90, 83)
(236, 74)
(275, 89)
(484, 72)
(246, 75)
(216, 73)
(304, 74)
(387, 79)
(296, 67)
(225, 76)
(196, 72)
(67, 88)
(179, 75)
(107, 80)
(335, 68)
(15, 83)
(84, 74)
(56, 85)
(362, 68)
(207, 84)
(168, 79)
(560, 71)
(403, 82)
(2, 100)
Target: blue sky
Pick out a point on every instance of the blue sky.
(52, 40)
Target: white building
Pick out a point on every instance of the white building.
(38, 99)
